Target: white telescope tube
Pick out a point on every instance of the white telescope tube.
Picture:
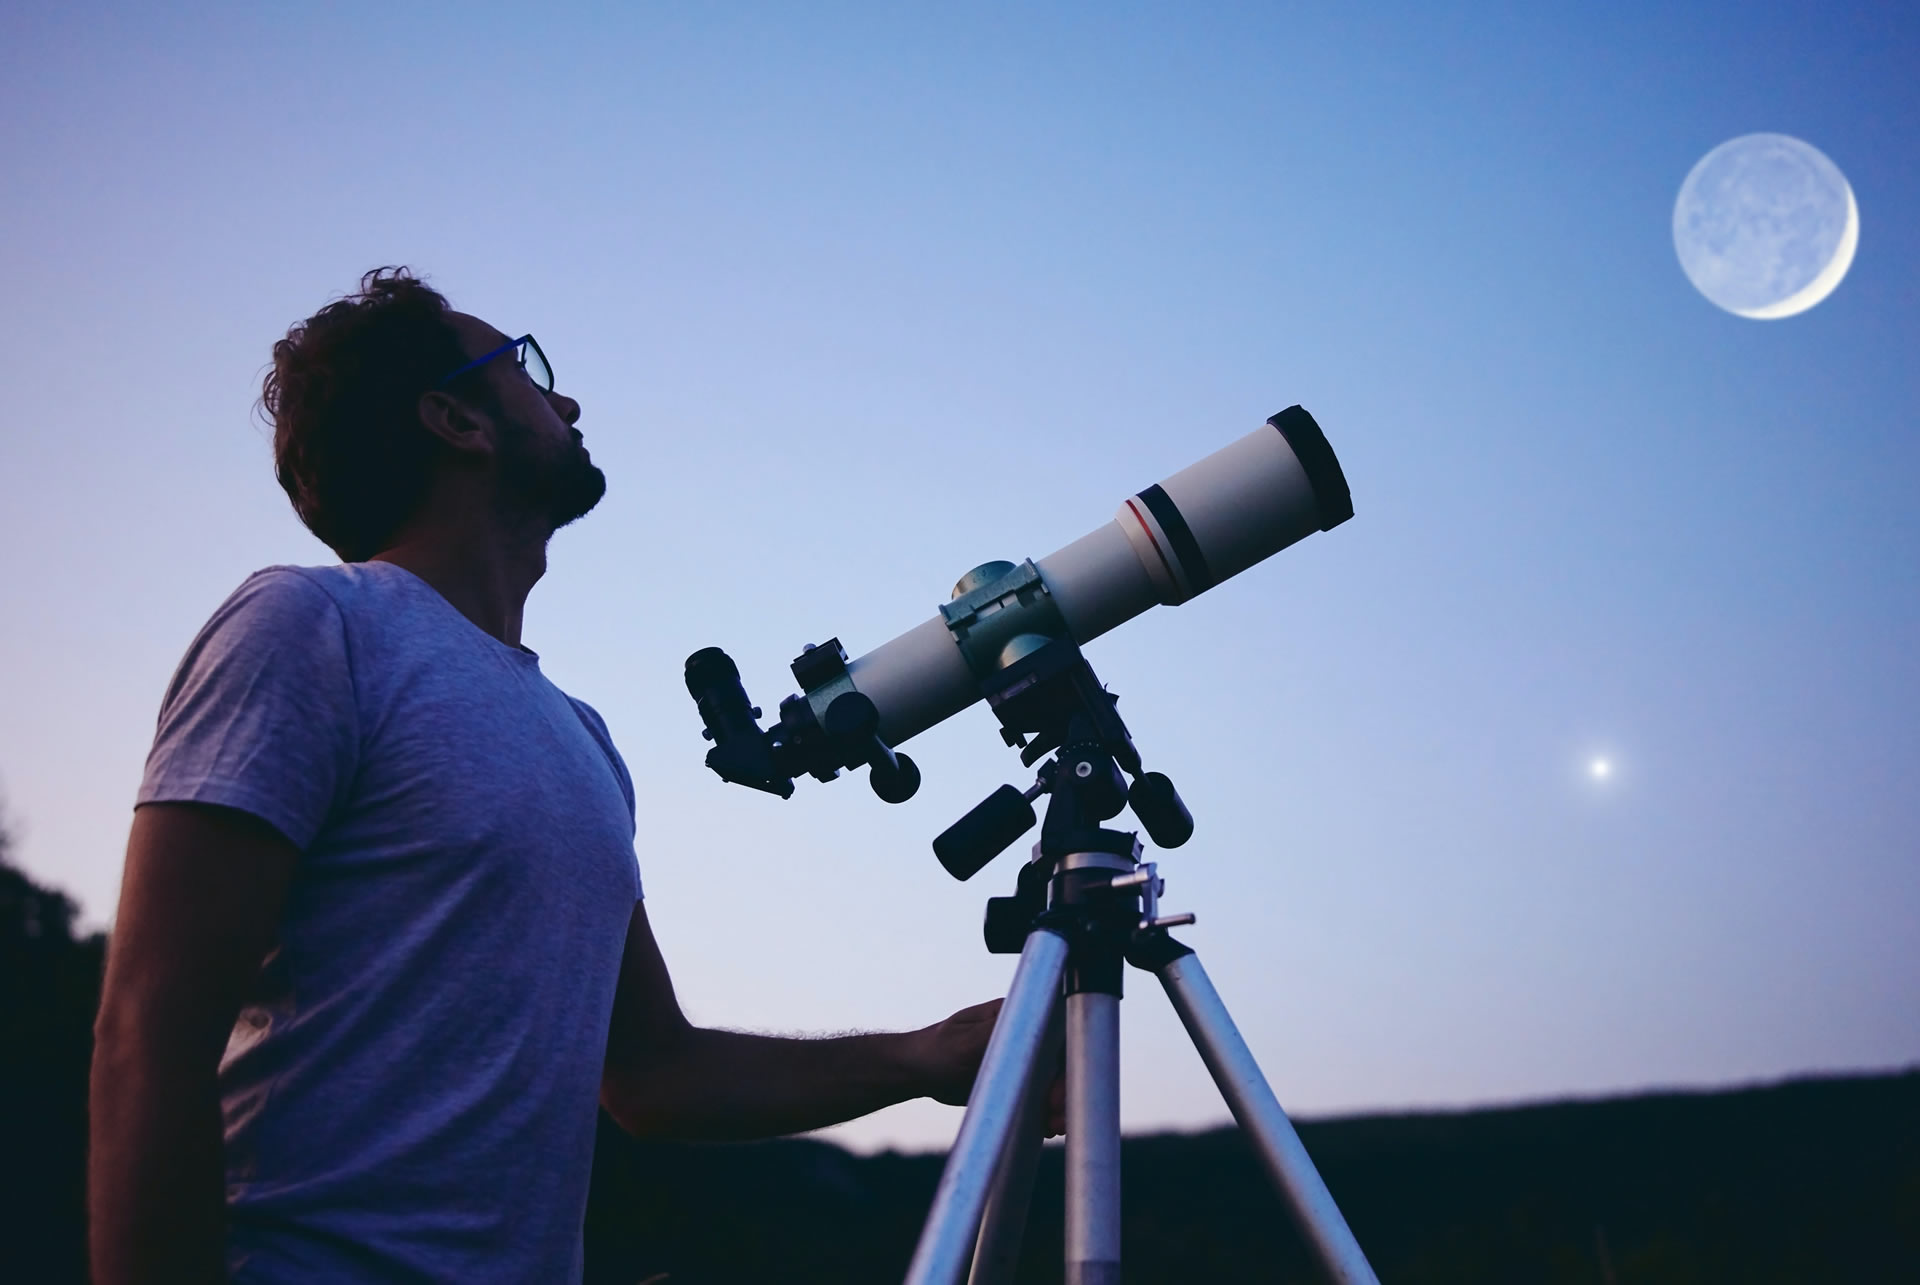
(1171, 542)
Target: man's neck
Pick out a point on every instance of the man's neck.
(485, 574)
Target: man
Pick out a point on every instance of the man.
(381, 945)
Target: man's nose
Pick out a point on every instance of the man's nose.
(569, 409)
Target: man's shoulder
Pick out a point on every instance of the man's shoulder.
(294, 596)
(317, 615)
(342, 582)
(272, 599)
(283, 585)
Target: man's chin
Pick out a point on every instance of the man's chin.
(578, 499)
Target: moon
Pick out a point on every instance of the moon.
(1766, 226)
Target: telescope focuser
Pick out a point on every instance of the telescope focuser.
(741, 752)
(829, 726)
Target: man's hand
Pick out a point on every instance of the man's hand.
(949, 1055)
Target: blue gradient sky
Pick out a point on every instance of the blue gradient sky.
(855, 298)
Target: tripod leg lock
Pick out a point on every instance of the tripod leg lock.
(1152, 949)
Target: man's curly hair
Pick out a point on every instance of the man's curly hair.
(348, 446)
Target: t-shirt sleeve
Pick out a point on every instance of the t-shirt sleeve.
(261, 714)
(597, 727)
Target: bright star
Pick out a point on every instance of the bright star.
(1600, 769)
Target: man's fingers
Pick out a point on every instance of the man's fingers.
(988, 1012)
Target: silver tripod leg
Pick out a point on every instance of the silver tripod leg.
(1243, 1086)
(996, 1254)
(1093, 1139)
(992, 1112)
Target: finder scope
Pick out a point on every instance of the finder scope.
(1168, 544)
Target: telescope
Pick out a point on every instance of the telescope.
(1165, 545)
(1086, 906)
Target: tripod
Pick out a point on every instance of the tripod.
(1084, 908)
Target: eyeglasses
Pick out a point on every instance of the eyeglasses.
(531, 360)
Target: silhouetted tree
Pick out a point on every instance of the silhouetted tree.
(49, 989)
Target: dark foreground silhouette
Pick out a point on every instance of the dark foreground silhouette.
(1811, 1181)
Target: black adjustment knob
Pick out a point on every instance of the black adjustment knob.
(1009, 920)
(984, 833)
(1095, 780)
(1159, 807)
(852, 717)
(898, 783)
(852, 724)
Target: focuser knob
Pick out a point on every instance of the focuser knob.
(896, 784)
(852, 724)
(852, 717)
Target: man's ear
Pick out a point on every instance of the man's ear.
(456, 423)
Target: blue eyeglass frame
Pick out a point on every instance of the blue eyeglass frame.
(512, 345)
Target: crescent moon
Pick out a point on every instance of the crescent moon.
(1822, 285)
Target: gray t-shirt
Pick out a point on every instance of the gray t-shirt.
(410, 1094)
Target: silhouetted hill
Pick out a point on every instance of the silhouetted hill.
(1816, 1180)
(1810, 1181)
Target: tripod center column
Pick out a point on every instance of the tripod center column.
(1093, 1065)
(1093, 1139)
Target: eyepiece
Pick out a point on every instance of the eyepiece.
(713, 680)
(740, 752)
(709, 667)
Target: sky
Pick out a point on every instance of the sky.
(857, 297)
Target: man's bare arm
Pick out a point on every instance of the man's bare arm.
(666, 1078)
(200, 906)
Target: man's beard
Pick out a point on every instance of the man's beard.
(556, 484)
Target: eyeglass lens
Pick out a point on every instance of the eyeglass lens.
(534, 362)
